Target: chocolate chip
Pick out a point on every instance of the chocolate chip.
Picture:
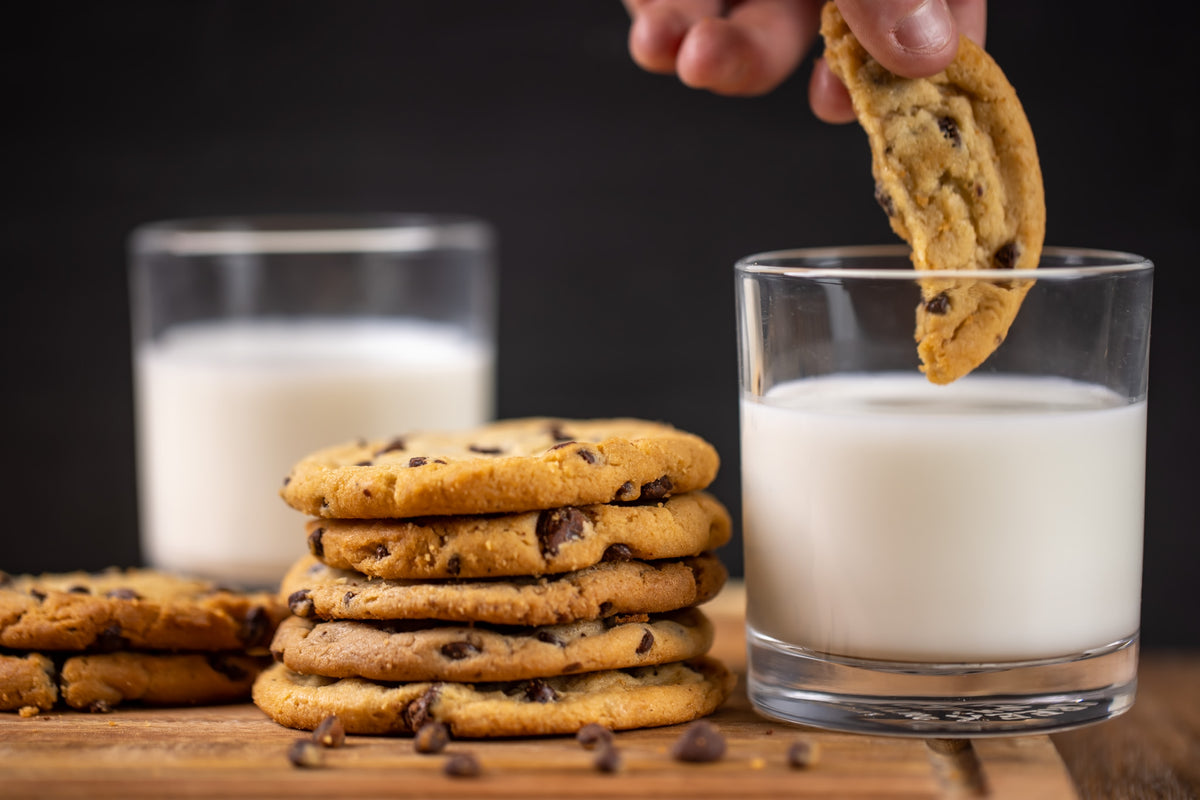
(617, 552)
(256, 627)
(606, 608)
(558, 434)
(347, 597)
(657, 489)
(587, 455)
(366, 492)
(938, 304)
(381, 551)
(593, 734)
(110, 640)
(1007, 255)
(485, 450)
(538, 691)
(122, 593)
(418, 461)
(802, 754)
(394, 444)
(607, 759)
(417, 712)
(432, 737)
(645, 644)
(330, 732)
(561, 445)
(949, 129)
(223, 666)
(301, 604)
(454, 564)
(365, 463)
(462, 765)
(79, 590)
(701, 742)
(287, 479)
(625, 492)
(557, 526)
(456, 651)
(549, 638)
(885, 200)
(305, 753)
(37, 594)
(314, 542)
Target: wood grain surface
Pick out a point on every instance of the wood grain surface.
(235, 751)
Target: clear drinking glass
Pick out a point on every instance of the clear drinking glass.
(958, 560)
(259, 340)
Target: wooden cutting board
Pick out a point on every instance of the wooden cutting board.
(235, 751)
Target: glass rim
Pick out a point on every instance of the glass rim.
(1114, 261)
(312, 233)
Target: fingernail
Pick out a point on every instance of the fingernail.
(927, 29)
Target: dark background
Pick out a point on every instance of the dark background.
(621, 200)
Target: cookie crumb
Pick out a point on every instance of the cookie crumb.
(432, 737)
(305, 753)
(593, 735)
(28, 711)
(330, 732)
(607, 759)
(462, 765)
(701, 742)
(802, 754)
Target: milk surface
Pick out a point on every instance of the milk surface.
(225, 410)
(994, 519)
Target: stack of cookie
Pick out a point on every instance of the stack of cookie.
(527, 577)
(95, 640)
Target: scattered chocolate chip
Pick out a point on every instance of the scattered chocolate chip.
(301, 603)
(37, 594)
(417, 713)
(1007, 255)
(549, 638)
(462, 765)
(558, 434)
(457, 651)
(364, 463)
(256, 627)
(657, 489)
(485, 450)
(607, 759)
(79, 590)
(617, 552)
(938, 304)
(432, 737)
(454, 564)
(418, 461)
(557, 526)
(330, 732)
(381, 551)
(594, 734)
(110, 640)
(538, 691)
(802, 754)
(587, 455)
(885, 200)
(949, 129)
(305, 753)
(700, 742)
(222, 665)
(314, 542)
(625, 492)
(347, 597)
(122, 593)
(645, 644)
(395, 444)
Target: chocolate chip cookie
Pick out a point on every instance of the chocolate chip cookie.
(314, 590)
(426, 651)
(956, 170)
(101, 682)
(508, 466)
(27, 682)
(531, 543)
(132, 609)
(616, 699)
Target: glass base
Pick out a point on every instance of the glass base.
(894, 698)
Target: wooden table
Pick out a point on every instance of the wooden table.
(235, 751)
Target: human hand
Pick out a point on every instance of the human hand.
(748, 47)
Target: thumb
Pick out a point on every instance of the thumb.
(913, 38)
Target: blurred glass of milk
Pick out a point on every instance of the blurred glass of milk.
(259, 340)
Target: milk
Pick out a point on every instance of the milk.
(224, 411)
(994, 519)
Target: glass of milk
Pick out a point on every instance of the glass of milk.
(259, 340)
(957, 560)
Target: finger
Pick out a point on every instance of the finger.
(659, 27)
(971, 16)
(913, 38)
(828, 96)
(751, 51)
